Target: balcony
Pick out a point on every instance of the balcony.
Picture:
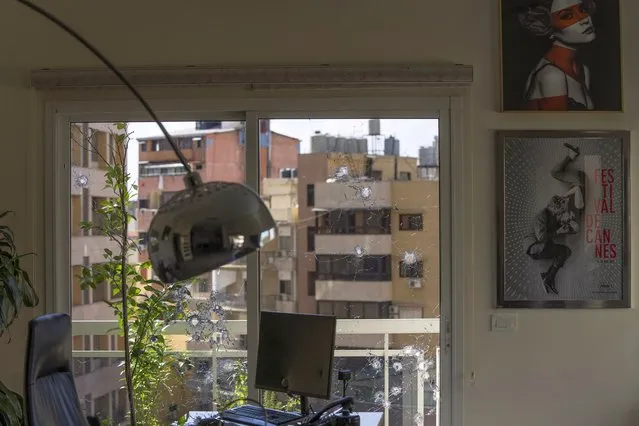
(401, 410)
(279, 187)
(97, 310)
(96, 182)
(103, 379)
(284, 214)
(276, 260)
(345, 244)
(285, 306)
(353, 195)
(166, 155)
(347, 290)
(354, 230)
(91, 246)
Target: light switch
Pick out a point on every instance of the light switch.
(503, 322)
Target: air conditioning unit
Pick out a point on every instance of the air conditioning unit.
(414, 283)
(393, 309)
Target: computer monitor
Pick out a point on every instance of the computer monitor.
(295, 354)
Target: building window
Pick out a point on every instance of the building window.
(411, 222)
(143, 146)
(198, 167)
(338, 222)
(411, 312)
(324, 308)
(404, 175)
(100, 343)
(185, 143)
(312, 276)
(310, 238)
(143, 204)
(376, 174)
(353, 310)
(168, 169)
(310, 195)
(411, 270)
(341, 267)
(87, 347)
(156, 146)
(99, 293)
(377, 221)
(286, 287)
(97, 217)
(286, 243)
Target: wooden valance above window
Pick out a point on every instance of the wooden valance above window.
(321, 76)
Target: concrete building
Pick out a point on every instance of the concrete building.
(217, 152)
(279, 257)
(429, 161)
(371, 246)
(97, 379)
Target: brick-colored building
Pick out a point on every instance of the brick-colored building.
(218, 154)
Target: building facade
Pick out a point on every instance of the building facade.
(368, 247)
(98, 380)
(217, 152)
(279, 258)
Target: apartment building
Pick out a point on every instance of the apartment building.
(279, 258)
(370, 233)
(97, 379)
(368, 247)
(217, 152)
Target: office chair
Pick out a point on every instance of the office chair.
(50, 393)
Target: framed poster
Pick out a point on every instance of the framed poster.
(563, 219)
(561, 55)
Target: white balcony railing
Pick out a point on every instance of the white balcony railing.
(385, 328)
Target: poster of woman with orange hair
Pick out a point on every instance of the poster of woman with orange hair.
(561, 55)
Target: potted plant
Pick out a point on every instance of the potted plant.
(16, 291)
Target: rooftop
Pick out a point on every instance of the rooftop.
(187, 133)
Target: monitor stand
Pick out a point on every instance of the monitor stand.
(304, 406)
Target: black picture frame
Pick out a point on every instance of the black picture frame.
(557, 250)
(533, 56)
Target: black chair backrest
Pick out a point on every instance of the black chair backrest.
(50, 393)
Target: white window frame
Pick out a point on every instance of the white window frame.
(454, 181)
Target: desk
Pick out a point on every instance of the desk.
(365, 419)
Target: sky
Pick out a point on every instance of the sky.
(412, 133)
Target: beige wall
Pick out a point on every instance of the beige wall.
(356, 164)
(553, 371)
(417, 197)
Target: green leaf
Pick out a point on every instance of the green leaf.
(11, 405)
